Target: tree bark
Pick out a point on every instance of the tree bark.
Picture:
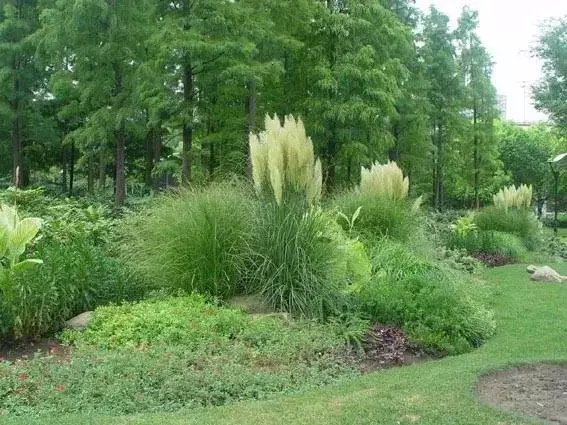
(476, 160)
(149, 157)
(17, 148)
(71, 168)
(90, 175)
(120, 178)
(102, 171)
(186, 154)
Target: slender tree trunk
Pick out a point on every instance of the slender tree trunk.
(476, 160)
(149, 157)
(17, 148)
(331, 174)
(251, 103)
(90, 175)
(186, 155)
(102, 171)
(120, 178)
(71, 168)
(438, 167)
(64, 167)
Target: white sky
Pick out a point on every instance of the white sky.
(508, 29)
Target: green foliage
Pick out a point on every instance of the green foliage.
(76, 276)
(460, 259)
(15, 235)
(300, 260)
(519, 222)
(437, 308)
(490, 242)
(395, 219)
(464, 226)
(195, 240)
(163, 355)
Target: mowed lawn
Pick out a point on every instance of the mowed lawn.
(532, 327)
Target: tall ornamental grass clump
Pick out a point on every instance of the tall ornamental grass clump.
(194, 240)
(299, 261)
(435, 306)
(512, 214)
(382, 197)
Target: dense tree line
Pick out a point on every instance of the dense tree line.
(153, 92)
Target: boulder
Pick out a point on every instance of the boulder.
(544, 274)
(79, 322)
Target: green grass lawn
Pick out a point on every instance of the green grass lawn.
(532, 327)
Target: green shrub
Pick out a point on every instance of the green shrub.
(300, 260)
(195, 240)
(490, 242)
(436, 307)
(395, 219)
(520, 222)
(76, 276)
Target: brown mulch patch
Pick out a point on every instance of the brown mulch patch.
(536, 390)
(25, 350)
(384, 347)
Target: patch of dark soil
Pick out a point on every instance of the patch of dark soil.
(536, 390)
(493, 259)
(384, 347)
(25, 350)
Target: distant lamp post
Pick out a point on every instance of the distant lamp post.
(556, 164)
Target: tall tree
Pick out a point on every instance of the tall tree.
(444, 93)
(550, 94)
(354, 74)
(478, 102)
(105, 41)
(18, 75)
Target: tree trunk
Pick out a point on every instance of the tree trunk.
(251, 103)
(476, 160)
(90, 175)
(149, 157)
(438, 168)
(331, 173)
(186, 154)
(64, 168)
(120, 179)
(71, 168)
(17, 148)
(102, 171)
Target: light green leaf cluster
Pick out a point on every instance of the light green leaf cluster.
(384, 182)
(283, 157)
(15, 234)
(464, 226)
(513, 197)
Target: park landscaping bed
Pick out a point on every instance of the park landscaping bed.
(531, 330)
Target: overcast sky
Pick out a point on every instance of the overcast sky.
(508, 29)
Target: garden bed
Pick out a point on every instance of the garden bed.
(535, 390)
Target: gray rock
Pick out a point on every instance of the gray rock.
(79, 322)
(544, 274)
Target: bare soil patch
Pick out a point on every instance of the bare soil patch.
(536, 390)
(26, 350)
